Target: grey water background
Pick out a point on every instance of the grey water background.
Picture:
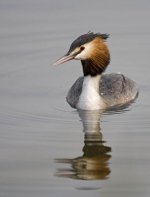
(43, 151)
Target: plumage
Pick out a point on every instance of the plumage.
(114, 89)
(95, 90)
(85, 38)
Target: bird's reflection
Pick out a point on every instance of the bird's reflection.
(94, 163)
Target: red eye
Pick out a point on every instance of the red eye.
(82, 48)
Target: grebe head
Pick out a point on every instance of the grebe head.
(91, 49)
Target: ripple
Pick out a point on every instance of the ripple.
(28, 116)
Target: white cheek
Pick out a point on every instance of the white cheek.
(85, 53)
(81, 56)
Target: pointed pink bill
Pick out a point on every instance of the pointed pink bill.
(64, 59)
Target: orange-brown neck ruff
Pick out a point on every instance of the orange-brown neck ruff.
(97, 60)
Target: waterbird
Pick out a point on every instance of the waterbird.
(95, 90)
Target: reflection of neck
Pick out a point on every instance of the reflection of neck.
(93, 164)
(90, 120)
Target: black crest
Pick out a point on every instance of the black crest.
(85, 38)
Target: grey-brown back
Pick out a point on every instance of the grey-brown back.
(115, 89)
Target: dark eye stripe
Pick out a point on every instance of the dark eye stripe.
(82, 48)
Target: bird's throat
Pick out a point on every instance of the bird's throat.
(90, 97)
(91, 68)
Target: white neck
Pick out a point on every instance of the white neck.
(90, 98)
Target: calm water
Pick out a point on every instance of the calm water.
(46, 147)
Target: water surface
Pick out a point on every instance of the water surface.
(46, 147)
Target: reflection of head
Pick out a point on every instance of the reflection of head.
(93, 164)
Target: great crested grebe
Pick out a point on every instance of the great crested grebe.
(95, 90)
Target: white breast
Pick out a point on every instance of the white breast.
(90, 98)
